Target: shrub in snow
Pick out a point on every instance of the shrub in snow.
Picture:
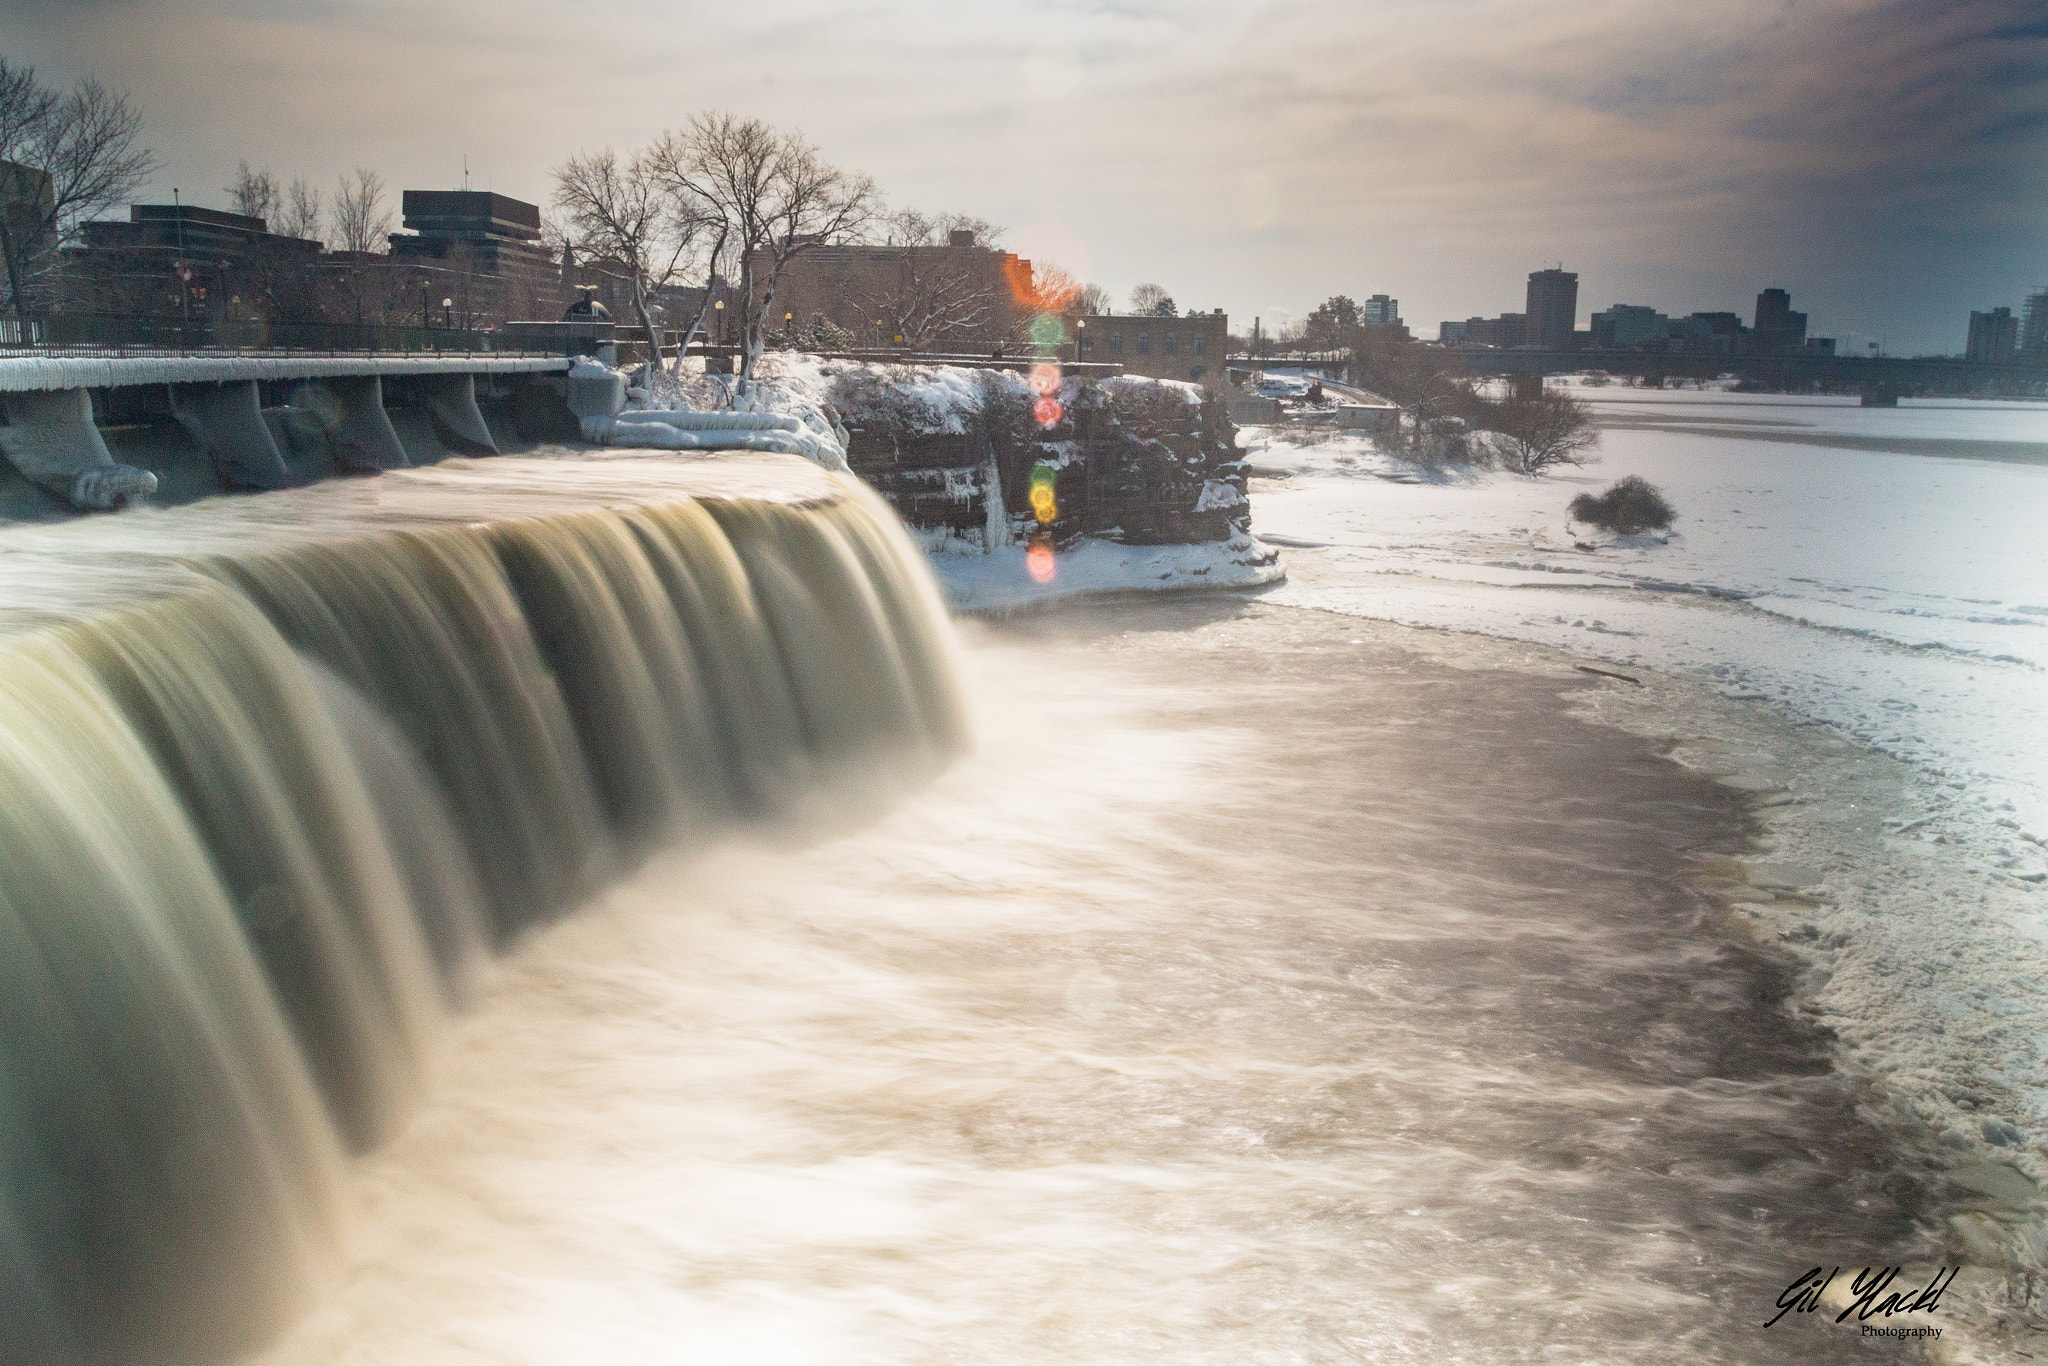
(1630, 505)
(1531, 434)
(1437, 442)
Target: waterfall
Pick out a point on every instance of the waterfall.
(260, 834)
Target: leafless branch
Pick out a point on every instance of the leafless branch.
(361, 222)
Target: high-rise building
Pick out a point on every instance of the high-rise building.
(2034, 326)
(1994, 336)
(1381, 311)
(1778, 328)
(1553, 307)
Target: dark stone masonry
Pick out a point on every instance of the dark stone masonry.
(1127, 459)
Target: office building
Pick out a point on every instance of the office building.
(2034, 327)
(1626, 327)
(1994, 337)
(1777, 327)
(1553, 308)
(491, 245)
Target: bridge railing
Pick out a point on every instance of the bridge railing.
(88, 333)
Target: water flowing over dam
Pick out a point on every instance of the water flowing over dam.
(276, 778)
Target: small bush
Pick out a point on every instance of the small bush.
(1630, 505)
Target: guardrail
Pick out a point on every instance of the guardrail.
(123, 334)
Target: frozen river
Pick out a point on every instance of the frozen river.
(1872, 583)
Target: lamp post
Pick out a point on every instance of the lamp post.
(1079, 325)
(448, 314)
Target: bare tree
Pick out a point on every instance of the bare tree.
(1537, 432)
(361, 222)
(81, 159)
(300, 216)
(932, 290)
(1418, 380)
(1095, 300)
(910, 228)
(775, 196)
(1152, 300)
(626, 220)
(254, 193)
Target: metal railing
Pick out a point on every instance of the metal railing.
(120, 333)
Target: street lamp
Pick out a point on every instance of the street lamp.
(719, 309)
(1079, 324)
(447, 314)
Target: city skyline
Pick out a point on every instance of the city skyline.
(1875, 159)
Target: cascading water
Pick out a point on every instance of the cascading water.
(259, 833)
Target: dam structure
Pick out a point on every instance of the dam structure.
(282, 772)
(329, 406)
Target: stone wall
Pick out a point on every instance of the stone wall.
(1130, 460)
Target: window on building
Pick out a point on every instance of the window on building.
(1144, 344)
(1198, 346)
(1196, 372)
(1173, 346)
(1116, 345)
(1087, 342)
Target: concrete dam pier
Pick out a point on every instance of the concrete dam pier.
(251, 414)
(279, 773)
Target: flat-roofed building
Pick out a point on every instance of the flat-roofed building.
(2034, 327)
(957, 297)
(1994, 337)
(1191, 347)
(490, 246)
(1776, 325)
(195, 262)
(1552, 308)
(1626, 327)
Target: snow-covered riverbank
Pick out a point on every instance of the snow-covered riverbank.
(1853, 572)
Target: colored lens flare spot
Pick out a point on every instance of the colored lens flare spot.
(1039, 561)
(1048, 412)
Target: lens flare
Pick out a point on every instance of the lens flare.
(1039, 561)
(1045, 382)
(1044, 505)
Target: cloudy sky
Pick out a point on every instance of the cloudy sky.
(1885, 160)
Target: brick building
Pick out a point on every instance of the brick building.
(1190, 348)
(958, 297)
